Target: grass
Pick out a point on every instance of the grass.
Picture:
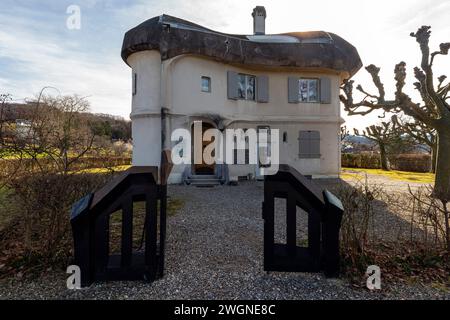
(414, 177)
(104, 170)
(174, 205)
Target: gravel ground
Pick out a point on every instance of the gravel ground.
(214, 251)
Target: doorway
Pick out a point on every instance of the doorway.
(202, 168)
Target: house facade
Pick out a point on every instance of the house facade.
(184, 73)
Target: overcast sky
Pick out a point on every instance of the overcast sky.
(37, 49)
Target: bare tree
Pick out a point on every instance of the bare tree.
(344, 133)
(56, 135)
(382, 135)
(434, 111)
(42, 168)
(421, 133)
(4, 99)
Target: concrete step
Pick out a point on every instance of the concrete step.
(203, 180)
(205, 183)
(202, 177)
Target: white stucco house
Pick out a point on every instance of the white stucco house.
(288, 82)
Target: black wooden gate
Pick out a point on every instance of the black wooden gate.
(90, 221)
(324, 220)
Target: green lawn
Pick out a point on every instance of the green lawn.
(414, 177)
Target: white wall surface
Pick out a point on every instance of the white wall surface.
(176, 84)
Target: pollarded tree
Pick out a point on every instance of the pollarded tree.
(421, 133)
(344, 133)
(382, 135)
(433, 111)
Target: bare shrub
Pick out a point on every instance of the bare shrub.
(42, 167)
(39, 234)
(432, 216)
(357, 223)
(404, 234)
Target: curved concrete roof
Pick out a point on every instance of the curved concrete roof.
(299, 50)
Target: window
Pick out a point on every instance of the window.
(206, 84)
(242, 153)
(246, 87)
(134, 89)
(308, 90)
(264, 146)
(309, 145)
(285, 137)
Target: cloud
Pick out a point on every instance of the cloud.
(37, 50)
(42, 59)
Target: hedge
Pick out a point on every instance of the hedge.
(402, 162)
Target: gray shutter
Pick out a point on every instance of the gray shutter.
(232, 84)
(314, 144)
(325, 90)
(262, 89)
(303, 144)
(309, 145)
(293, 92)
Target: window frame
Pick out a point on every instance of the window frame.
(134, 84)
(269, 144)
(307, 89)
(209, 84)
(247, 77)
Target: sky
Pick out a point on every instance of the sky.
(37, 49)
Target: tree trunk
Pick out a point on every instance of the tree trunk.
(384, 158)
(433, 159)
(447, 224)
(442, 184)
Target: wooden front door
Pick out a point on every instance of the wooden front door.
(203, 168)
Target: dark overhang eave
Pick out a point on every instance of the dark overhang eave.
(172, 36)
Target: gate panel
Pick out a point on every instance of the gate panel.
(324, 219)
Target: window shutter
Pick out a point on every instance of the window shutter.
(309, 145)
(262, 89)
(314, 144)
(232, 80)
(303, 144)
(325, 90)
(293, 90)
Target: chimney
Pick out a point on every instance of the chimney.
(259, 20)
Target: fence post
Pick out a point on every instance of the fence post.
(331, 226)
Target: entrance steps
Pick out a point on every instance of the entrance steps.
(200, 180)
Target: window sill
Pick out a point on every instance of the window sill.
(310, 158)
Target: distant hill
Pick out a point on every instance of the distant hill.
(358, 139)
(114, 127)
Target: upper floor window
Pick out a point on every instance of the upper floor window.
(246, 87)
(206, 84)
(308, 90)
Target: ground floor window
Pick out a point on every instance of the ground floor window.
(264, 147)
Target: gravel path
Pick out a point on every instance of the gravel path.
(214, 251)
